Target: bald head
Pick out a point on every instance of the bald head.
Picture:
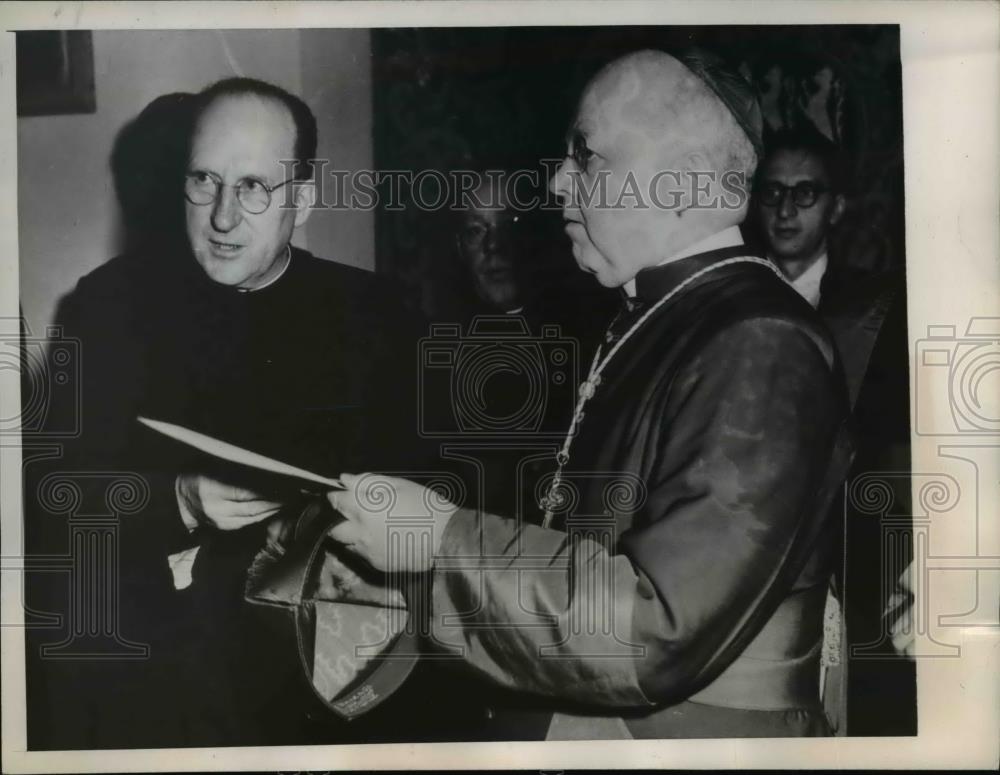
(652, 154)
(655, 99)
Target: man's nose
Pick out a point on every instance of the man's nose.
(786, 207)
(562, 182)
(498, 239)
(226, 211)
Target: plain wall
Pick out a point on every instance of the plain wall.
(337, 85)
(68, 217)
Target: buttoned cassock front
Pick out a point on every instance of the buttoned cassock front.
(684, 587)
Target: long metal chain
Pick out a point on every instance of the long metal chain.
(553, 500)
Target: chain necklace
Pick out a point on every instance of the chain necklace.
(552, 499)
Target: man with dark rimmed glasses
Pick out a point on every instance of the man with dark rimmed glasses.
(801, 203)
(798, 202)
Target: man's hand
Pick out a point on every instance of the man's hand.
(394, 524)
(210, 503)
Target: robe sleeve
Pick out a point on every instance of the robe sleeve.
(746, 430)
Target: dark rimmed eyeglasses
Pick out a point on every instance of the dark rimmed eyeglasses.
(253, 194)
(804, 194)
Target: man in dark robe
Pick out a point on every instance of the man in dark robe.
(677, 587)
(241, 336)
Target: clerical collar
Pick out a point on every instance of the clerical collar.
(655, 282)
(284, 268)
(808, 283)
(726, 238)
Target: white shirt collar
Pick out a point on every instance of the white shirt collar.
(808, 283)
(273, 280)
(726, 238)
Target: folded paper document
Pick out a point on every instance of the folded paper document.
(233, 454)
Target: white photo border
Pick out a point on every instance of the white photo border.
(951, 82)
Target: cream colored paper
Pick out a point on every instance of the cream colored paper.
(951, 81)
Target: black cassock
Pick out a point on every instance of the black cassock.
(316, 369)
(682, 586)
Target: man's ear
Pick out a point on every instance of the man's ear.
(305, 198)
(697, 161)
(695, 168)
(837, 211)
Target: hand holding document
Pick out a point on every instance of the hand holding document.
(359, 651)
(205, 501)
(379, 514)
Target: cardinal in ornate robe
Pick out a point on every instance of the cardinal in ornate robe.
(677, 586)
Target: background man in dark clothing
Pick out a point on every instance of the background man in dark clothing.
(800, 198)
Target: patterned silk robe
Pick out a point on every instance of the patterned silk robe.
(682, 586)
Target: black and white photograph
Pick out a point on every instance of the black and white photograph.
(450, 379)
